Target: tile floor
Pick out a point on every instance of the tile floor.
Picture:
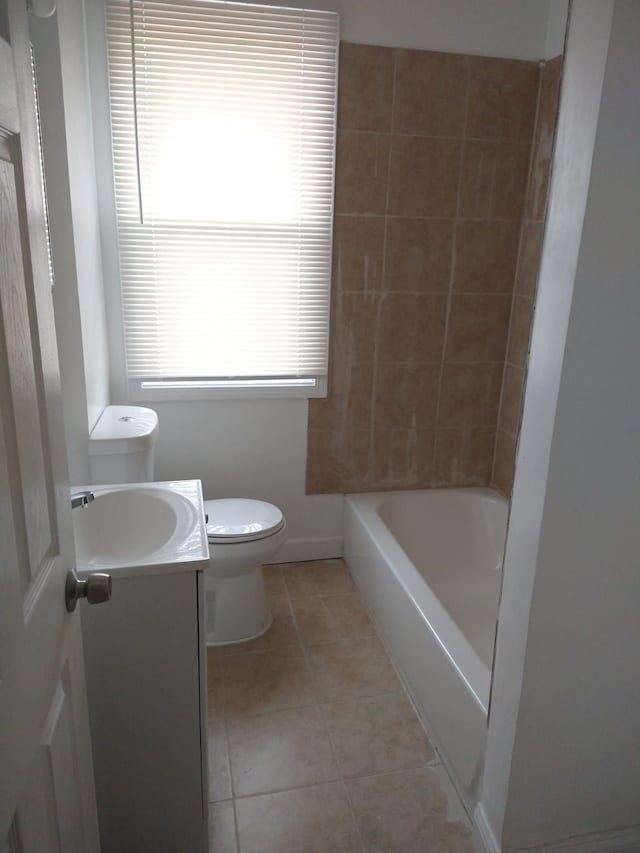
(313, 745)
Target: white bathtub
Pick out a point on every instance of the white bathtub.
(428, 564)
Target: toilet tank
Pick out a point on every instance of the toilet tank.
(121, 445)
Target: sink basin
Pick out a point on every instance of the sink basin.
(141, 525)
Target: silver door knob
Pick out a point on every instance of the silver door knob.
(96, 588)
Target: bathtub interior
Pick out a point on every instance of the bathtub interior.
(455, 540)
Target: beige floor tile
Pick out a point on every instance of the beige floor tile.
(328, 618)
(222, 828)
(281, 635)
(376, 734)
(281, 750)
(318, 577)
(406, 812)
(308, 820)
(352, 668)
(215, 699)
(266, 681)
(218, 761)
(274, 581)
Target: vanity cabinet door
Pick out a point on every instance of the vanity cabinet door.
(148, 721)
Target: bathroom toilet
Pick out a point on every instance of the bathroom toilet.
(243, 534)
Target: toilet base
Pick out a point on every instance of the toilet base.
(236, 608)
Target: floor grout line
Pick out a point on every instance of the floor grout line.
(317, 702)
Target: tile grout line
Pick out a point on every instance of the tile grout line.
(495, 140)
(452, 267)
(480, 220)
(228, 760)
(383, 290)
(325, 725)
(340, 778)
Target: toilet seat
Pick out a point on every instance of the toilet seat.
(232, 520)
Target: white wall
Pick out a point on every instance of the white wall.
(509, 28)
(556, 28)
(60, 49)
(254, 449)
(259, 448)
(563, 753)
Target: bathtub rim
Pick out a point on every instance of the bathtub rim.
(475, 674)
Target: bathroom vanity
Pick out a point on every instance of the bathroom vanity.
(145, 657)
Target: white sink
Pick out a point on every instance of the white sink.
(136, 525)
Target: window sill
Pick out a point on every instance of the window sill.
(149, 392)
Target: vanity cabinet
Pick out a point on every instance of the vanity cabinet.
(145, 657)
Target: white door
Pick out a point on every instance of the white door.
(47, 797)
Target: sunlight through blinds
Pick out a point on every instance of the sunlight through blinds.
(223, 124)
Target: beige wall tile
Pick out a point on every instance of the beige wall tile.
(486, 255)
(406, 811)
(401, 458)
(362, 164)
(430, 93)
(358, 243)
(469, 395)
(406, 396)
(316, 819)
(411, 327)
(340, 460)
(520, 330)
(494, 178)
(376, 734)
(348, 406)
(323, 475)
(423, 178)
(407, 193)
(418, 254)
(365, 87)
(463, 456)
(354, 322)
(478, 327)
(512, 392)
(502, 98)
(285, 749)
(504, 463)
(529, 259)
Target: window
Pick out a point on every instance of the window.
(223, 130)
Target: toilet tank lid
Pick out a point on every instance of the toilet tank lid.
(123, 429)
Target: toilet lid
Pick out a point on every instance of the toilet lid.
(241, 520)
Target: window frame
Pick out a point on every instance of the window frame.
(122, 386)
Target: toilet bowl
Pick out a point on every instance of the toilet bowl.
(243, 534)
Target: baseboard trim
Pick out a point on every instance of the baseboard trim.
(611, 841)
(484, 841)
(300, 550)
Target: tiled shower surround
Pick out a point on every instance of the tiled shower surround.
(433, 158)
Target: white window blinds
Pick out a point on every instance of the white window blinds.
(223, 125)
